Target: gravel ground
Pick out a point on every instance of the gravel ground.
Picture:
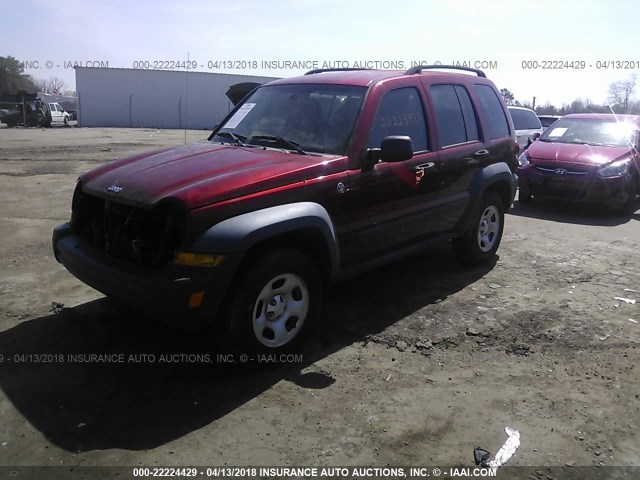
(416, 363)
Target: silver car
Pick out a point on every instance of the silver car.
(526, 123)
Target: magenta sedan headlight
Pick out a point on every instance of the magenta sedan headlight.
(523, 160)
(615, 169)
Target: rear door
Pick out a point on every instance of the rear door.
(461, 152)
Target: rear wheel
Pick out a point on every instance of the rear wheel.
(480, 243)
(276, 302)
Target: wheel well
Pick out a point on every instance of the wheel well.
(309, 241)
(503, 189)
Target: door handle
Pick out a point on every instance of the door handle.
(481, 153)
(425, 166)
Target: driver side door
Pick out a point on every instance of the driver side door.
(389, 205)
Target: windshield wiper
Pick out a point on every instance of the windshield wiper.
(282, 141)
(594, 144)
(546, 140)
(233, 136)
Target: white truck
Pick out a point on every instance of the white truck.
(58, 114)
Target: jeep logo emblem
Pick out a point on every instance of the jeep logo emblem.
(114, 189)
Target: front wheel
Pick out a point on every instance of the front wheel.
(480, 243)
(276, 302)
(524, 197)
(627, 207)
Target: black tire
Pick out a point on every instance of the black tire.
(524, 197)
(265, 278)
(474, 248)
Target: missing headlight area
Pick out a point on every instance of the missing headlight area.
(148, 238)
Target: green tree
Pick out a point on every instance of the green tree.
(12, 77)
(508, 96)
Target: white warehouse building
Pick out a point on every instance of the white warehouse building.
(120, 97)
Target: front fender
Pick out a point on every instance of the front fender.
(238, 234)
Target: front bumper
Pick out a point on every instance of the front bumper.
(587, 188)
(165, 294)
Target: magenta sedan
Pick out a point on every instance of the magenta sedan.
(585, 157)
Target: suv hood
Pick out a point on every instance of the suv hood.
(575, 153)
(202, 173)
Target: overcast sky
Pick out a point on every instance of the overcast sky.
(503, 33)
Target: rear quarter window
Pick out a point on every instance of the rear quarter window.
(498, 125)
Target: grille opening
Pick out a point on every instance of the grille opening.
(149, 238)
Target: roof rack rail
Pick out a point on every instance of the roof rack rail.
(321, 70)
(419, 68)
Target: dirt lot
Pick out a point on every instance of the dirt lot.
(419, 362)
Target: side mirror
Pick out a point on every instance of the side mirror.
(396, 148)
(532, 139)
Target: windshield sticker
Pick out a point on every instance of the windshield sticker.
(557, 132)
(242, 112)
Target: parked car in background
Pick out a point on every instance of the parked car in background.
(307, 181)
(58, 114)
(547, 120)
(526, 123)
(34, 113)
(584, 157)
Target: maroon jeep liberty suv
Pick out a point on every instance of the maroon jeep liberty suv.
(307, 181)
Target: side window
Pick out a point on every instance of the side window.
(455, 114)
(524, 119)
(400, 113)
(469, 114)
(498, 125)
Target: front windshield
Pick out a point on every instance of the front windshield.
(317, 118)
(591, 132)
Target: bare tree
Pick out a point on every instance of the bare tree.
(53, 85)
(41, 85)
(56, 85)
(621, 91)
(577, 106)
